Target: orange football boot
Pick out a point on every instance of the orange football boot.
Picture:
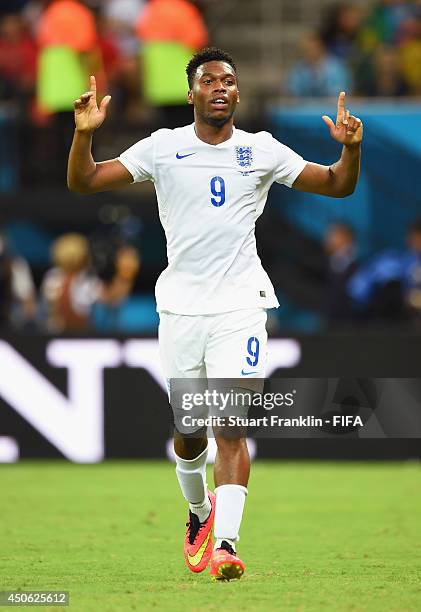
(225, 565)
(198, 542)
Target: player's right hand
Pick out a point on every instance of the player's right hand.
(88, 117)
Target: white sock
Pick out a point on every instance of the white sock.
(191, 474)
(202, 510)
(230, 500)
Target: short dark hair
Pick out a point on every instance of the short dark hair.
(209, 54)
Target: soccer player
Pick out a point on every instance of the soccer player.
(212, 182)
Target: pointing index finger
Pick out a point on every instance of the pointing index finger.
(93, 84)
(341, 108)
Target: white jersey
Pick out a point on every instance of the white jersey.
(209, 198)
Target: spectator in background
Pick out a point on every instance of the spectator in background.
(390, 53)
(383, 23)
(17, 290)
(117, 288)
(69, 289)
(18, 56)
(410, 53)
(119, 18)
(171, 31)
(342, 264)
(317, 74)
(67, 39)
(111, 57)
(340, 30)
(381, 74)
(122, 16)
(412, 271)
(18, 61)
(388, 286)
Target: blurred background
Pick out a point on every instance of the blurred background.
(347, 272)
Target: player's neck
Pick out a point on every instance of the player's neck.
(211, 134)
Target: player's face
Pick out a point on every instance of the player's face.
(215, 93)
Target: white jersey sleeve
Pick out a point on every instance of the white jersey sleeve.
(288, 164)
(139, 160)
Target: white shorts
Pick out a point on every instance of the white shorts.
(226, 345)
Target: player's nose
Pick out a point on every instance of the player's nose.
(219, 88)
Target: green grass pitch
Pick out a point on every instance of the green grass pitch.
(315, 536)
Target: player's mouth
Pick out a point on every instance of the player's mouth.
(220, 103)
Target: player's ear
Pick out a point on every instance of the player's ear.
(190, 97)
(238, 98)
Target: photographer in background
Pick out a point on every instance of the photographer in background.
(388, 286)
(341, 250)
(117, 266)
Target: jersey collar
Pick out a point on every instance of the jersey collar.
(221, 145)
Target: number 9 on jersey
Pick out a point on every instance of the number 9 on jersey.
(217, 186)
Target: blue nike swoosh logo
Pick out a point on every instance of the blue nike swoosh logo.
(247, 373)
(178, 156)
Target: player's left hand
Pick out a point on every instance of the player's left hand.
(348, 129)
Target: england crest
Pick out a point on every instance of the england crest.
(244, 156)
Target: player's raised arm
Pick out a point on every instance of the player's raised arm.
(84, 175)
(340, 179)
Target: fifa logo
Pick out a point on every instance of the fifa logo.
(244, 156)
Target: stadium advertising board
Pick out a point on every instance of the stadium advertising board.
(86, 399)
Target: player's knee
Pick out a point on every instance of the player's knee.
(229, 445)
(189, 447)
